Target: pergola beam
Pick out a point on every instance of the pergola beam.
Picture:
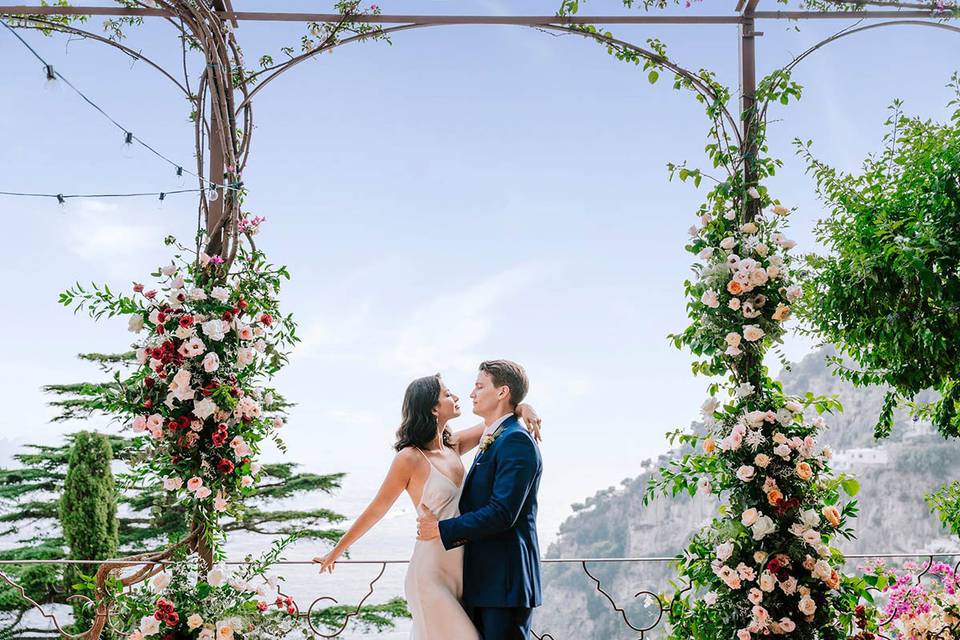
(272, 16)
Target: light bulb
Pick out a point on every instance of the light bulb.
(127, 150)
(213, 194)
(160, 201)
(51, 85)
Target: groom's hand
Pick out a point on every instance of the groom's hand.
(427, 525)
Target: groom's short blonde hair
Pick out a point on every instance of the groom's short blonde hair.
(506, 373)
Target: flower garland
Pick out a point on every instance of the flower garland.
(208, 341)
(766, 565)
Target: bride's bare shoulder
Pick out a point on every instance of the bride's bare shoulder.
(408, 457)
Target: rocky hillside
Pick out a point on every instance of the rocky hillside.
(894, 475)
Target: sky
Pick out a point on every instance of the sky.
(460, 194)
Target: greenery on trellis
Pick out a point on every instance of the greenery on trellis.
(887, 293)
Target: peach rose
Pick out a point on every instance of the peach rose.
(832, 514)
(709, 445)
(804, 472)
(774, 497)
(807, 606)
(734, 287)
(781, 313)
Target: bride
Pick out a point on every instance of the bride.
(428, 467)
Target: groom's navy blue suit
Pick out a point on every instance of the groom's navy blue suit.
(498, 525)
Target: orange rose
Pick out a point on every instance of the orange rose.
(832, 514)
(735, 287)
(804, 472)
(833, 581)
(774, 497)
(709, 445)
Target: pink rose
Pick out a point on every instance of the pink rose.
(202, 492)
(194, 483)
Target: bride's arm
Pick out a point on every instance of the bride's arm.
(467, 439)
(393, 485)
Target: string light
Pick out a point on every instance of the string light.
(52, 75)
(62, 198)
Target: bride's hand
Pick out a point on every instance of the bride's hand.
(531, 419)
(327, 562)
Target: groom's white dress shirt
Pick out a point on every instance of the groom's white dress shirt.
(494, 426)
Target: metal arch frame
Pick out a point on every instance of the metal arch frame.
(701, 87)
(859, 29)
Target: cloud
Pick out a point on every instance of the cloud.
(446, 332)
(109, 236)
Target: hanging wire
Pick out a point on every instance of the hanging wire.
(61, 197)
(129, 136)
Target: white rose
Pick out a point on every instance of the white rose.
(749, 227)
(172, 483)
(706, 253)
(753, 193)
(750, 516)
(762, 527)
(216, 576)
(194, 621)
(149, 625)
(135, 324)
(728, 243)
(809, 518)
(168, 270)
(794, 406)
(724, 551)
(710, 598)
(214, 329)
(744, 390)
(255, 467)
(221, 294)
(733, 339)
(246, 481)
(734, 303)
(197, 294)
(205, 634)
(160, 581)
(204, 408)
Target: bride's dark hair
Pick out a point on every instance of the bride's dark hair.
(418, 427)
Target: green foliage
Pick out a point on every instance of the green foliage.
(888, 292)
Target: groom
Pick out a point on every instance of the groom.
(498, 525)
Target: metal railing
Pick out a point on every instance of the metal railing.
(657, 615)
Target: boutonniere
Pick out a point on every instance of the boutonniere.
(486, 441)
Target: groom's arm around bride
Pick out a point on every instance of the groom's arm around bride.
(498, 506)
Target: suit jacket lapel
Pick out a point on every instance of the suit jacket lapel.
(507, 424)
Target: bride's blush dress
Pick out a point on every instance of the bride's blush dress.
(434, 582)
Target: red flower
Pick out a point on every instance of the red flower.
(158, 614)
(773, 566)
(242, 303)
(262, 606)
(149, 382)
(266, 319)
(227, 316)
(137, 287)
(291, 610)
(219, 436)
(160, 329)
(172, 619)
(225, 466)
(186, 321)
(148, 404)
(279, 601)
(150, 295)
